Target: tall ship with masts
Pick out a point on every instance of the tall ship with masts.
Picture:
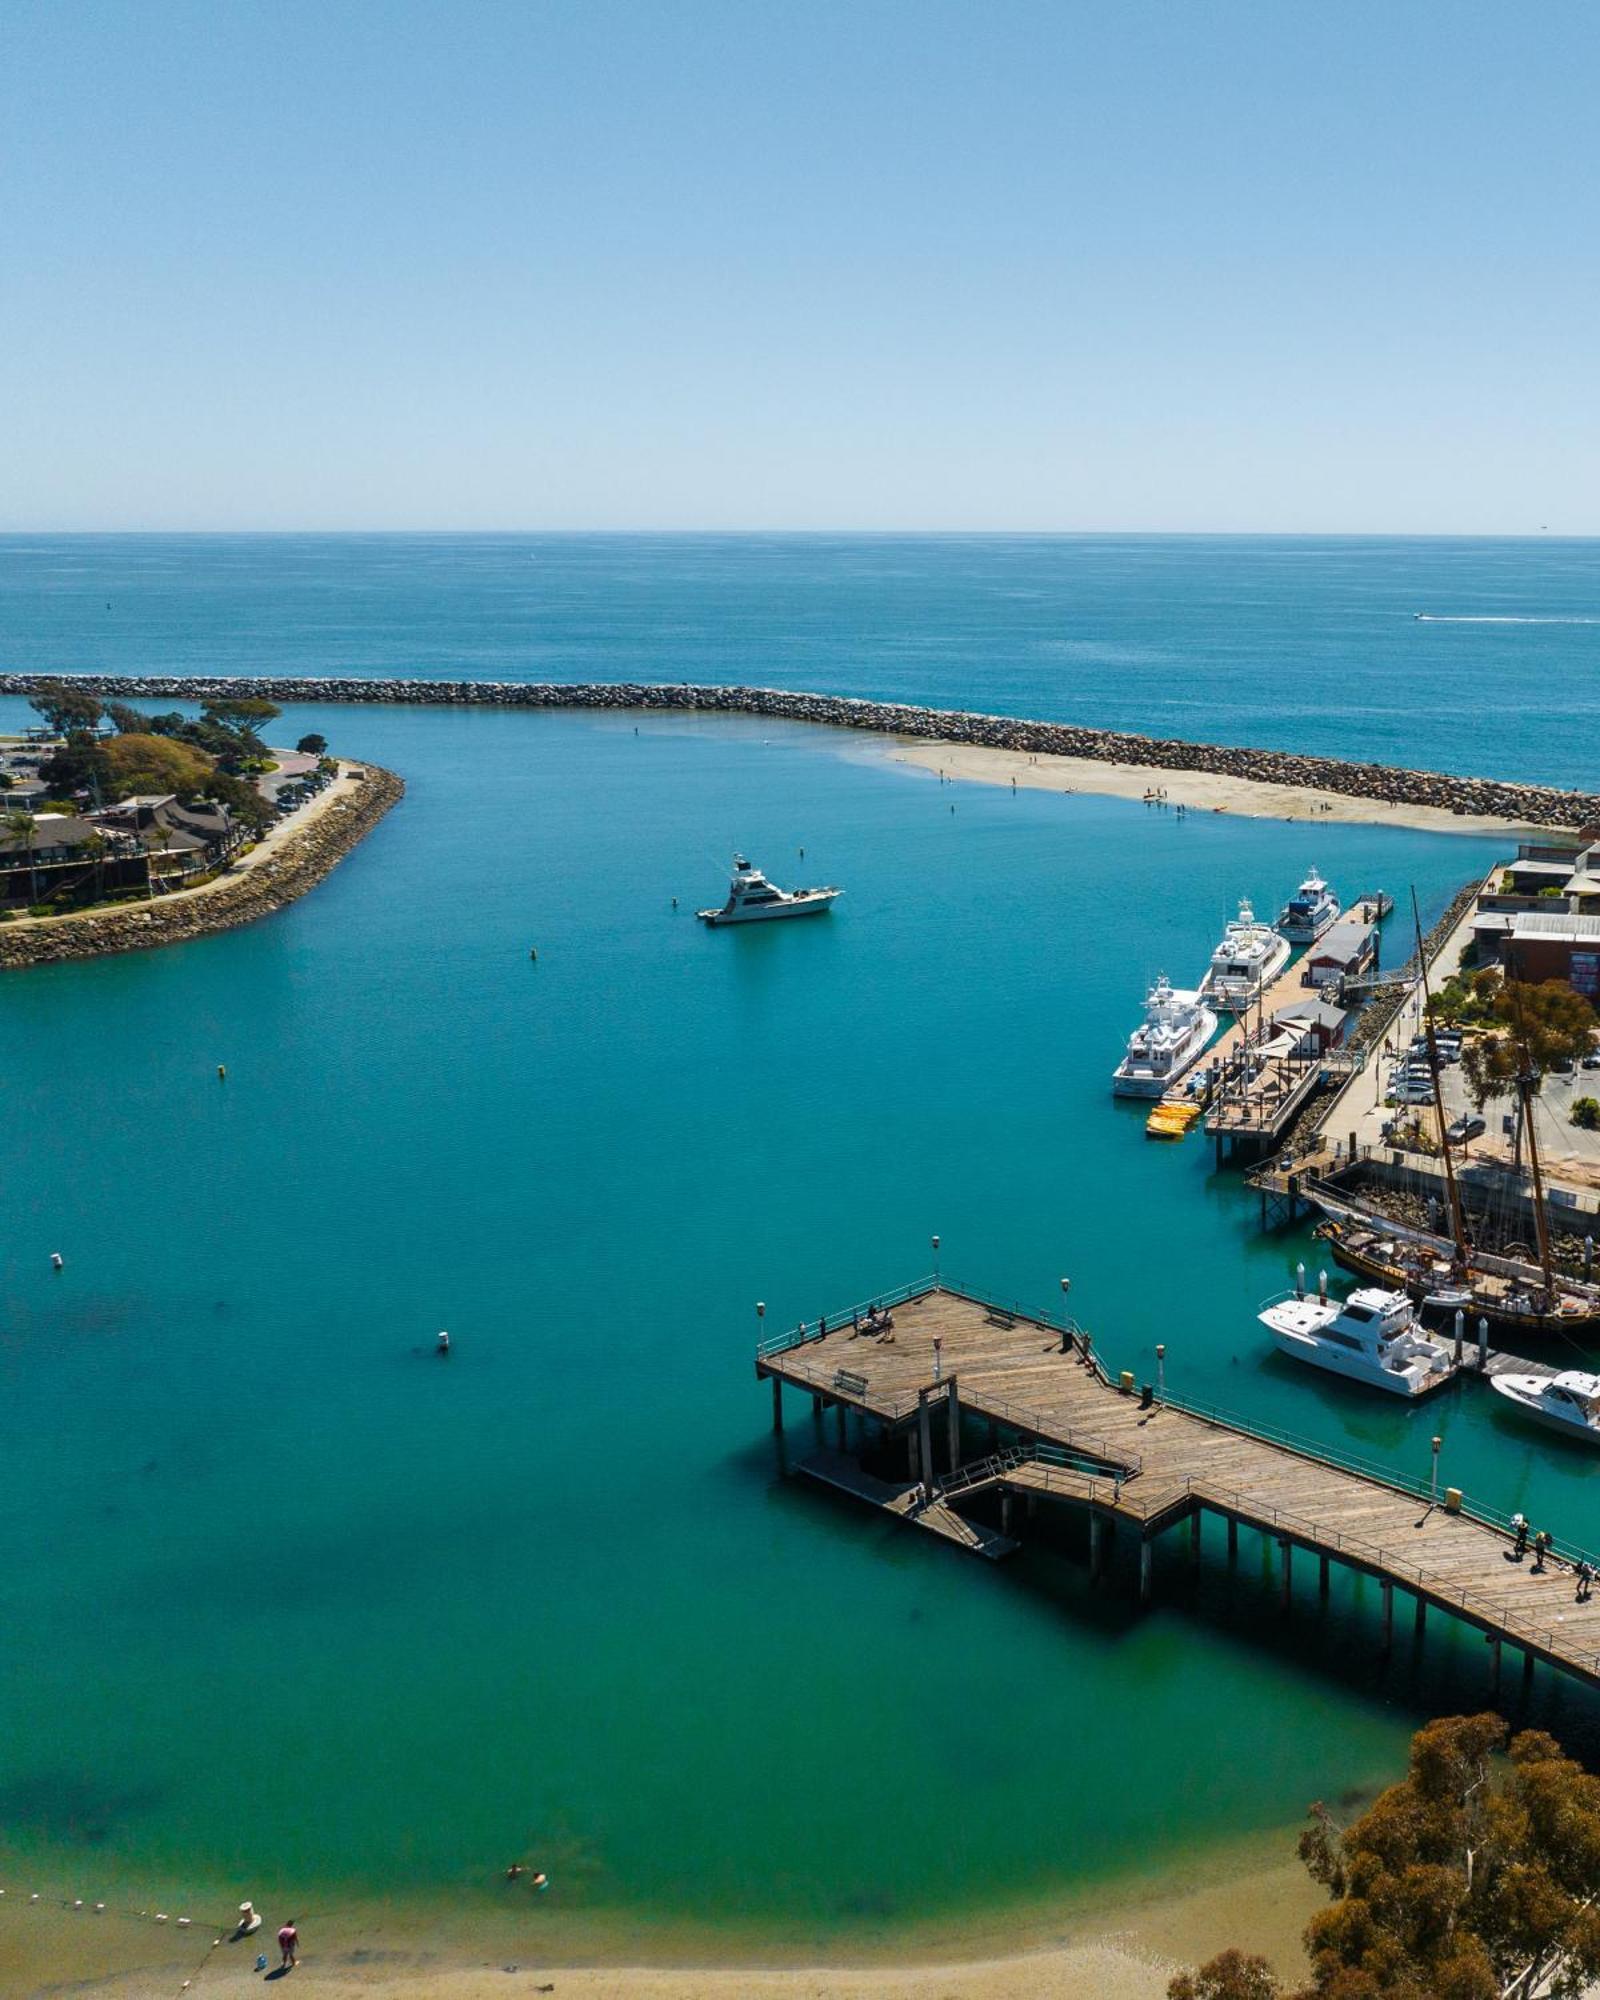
(1452, 1275)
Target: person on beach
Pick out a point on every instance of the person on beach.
(288, 1947)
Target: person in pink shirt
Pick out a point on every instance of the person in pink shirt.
(289, 1945)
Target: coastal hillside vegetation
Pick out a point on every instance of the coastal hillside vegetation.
(209, 757)
(1473, 1876)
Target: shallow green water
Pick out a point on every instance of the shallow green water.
(288, 1604)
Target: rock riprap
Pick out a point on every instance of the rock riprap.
(1537, 805)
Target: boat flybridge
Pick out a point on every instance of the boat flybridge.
(1169, 1042)
(1569, 1402)
(1373, 1337)
(1309, 911)
(1249, 955)
(753, 899)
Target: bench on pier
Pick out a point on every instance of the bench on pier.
(849, 1383)
(996, 1318)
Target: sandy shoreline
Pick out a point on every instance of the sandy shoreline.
(1125, 1947)
(1203, 791)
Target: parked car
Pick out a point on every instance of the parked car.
(1592, 1059)
(1468, 1126)
(1407, 1090)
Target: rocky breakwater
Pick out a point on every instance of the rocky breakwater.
(1533, 805)
(298, 859)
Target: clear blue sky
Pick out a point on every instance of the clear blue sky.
(1176, 266)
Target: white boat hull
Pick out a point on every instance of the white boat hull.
(806, 905)
(1132, 1082)
(1354, 1367)
(1238, 993)
(1513, 1389)
(1308, 933)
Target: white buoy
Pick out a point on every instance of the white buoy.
(1299, 1281)
(57, 1261)
(443, 1347)
(1322, 1287)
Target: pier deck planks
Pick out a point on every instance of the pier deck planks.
(1018, 1376)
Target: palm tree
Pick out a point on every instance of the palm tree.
(25, 827)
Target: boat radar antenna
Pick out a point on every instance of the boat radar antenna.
(1457, 1225)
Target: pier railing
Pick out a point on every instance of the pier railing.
(818, 1329)
(1388, 1564)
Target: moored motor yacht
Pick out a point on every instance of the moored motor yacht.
(1169, 1041)
(1249, 955)
(1568, 1402)
(1373, 1337)
(753, 899)
(1309, 911)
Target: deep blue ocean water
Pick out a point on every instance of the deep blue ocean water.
(291, 1609)
(1397, 650)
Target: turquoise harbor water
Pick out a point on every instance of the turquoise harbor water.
(292, 1609)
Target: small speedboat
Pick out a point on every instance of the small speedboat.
(1568, 1402)
(753, 899)
(1372, 1337)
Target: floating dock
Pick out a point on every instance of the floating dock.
(982, 1402)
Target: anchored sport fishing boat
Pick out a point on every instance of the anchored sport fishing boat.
(753, 899)
(1568, 1402)
(1169, 1041)
(1249, 955)
(1451, 1275)
(1309, 911)
(1373, 1337)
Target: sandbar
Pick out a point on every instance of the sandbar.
(1201, 791)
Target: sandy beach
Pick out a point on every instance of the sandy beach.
(1126, 1949)
(1201, 791)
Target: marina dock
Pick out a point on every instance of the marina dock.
(982, 1404)
(1261, 1077)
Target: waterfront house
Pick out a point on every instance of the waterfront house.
(1318, 1025)
(1349, 950)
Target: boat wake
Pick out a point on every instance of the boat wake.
(1485, 618)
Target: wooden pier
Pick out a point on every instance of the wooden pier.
(980, 1402)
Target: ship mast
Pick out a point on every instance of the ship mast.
(1541, 1222)
(1457, 1226)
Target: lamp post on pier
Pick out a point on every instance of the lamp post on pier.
(935, 1241)
(1433, 1490)
(1161, 1368)
(937, 1357)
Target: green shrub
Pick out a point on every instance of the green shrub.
(1586, 1114)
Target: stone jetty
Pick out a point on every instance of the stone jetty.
(300, 857)
(1536, 805)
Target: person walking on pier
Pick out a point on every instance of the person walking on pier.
(1541, 1545)
(1585, 1576)
(1519, 1526)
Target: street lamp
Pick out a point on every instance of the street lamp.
(1161, 1368)
(935, 1260)
(761, 1313)
(937, 1344)
(1433, 1491)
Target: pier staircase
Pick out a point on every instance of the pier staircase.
(911, 1503)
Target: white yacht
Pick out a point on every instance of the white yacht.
(753, 899)
(1373, 1337)
(1249, 955)
(1170, 1041)
(1309, 911)
(1569, 1402)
